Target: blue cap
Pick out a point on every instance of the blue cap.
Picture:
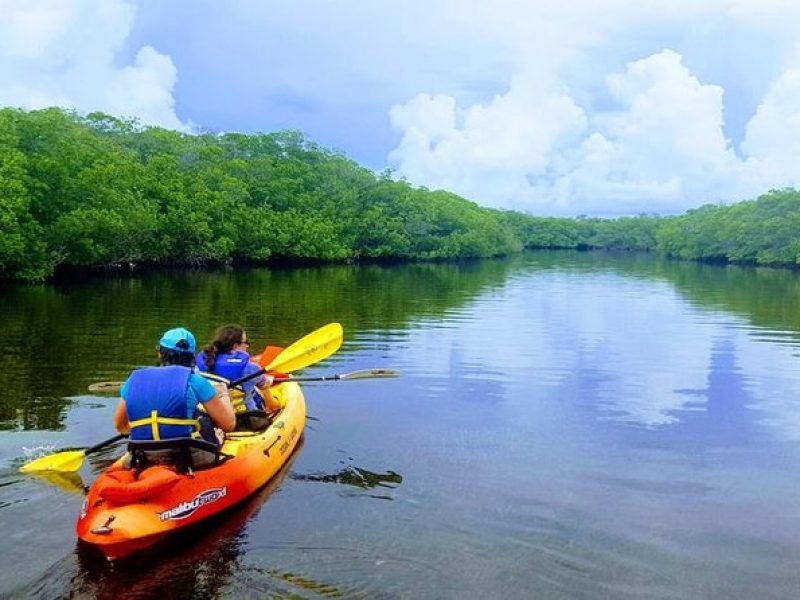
(179, 340)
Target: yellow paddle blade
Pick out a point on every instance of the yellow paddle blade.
(71, 460)
(309, 349)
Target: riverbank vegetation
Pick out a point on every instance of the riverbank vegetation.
(95, 191)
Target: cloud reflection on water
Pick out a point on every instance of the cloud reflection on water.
(627, 349)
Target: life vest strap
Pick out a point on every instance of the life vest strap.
(154, 421)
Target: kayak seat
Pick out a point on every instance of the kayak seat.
(126, 486)
(185, 454)
(252, 420)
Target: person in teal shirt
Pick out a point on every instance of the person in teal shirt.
(161, 403)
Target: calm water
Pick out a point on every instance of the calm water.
(568, 425)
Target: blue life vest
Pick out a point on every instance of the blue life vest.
(231, 366)
(157, 404)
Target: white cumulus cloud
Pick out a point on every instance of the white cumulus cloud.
(772, 140)
(64, 53)
(493, 150)
(587, 133)
(660, 144)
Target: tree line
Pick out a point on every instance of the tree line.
(95, 190)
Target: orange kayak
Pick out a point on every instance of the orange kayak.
(122, 514)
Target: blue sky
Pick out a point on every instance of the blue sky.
(556, 107)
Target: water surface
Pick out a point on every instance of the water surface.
(568, 425)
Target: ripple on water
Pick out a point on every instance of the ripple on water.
(341, 572)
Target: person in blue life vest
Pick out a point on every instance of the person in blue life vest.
(226, 356)
(161, 403)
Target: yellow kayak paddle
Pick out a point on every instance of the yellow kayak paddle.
(306, 351)
(69, 460)
(312, 348)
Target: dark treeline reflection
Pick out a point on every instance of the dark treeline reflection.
(59, 338)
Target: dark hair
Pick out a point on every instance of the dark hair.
(173, 357)
(225, 338)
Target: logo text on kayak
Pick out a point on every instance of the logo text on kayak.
(285, 445)
(184, 509)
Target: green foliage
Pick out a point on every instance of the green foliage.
(546, 232)
(762, 231)
(626, 233)
(23, 252)
(97, 190)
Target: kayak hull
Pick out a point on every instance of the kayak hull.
(120, 527)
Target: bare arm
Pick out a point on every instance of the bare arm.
(271, 404)
(220, 410)
(121, 418)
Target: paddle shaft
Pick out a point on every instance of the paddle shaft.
(246, 378)
(363, 374)
(328, 378)
(367, 374)
(352, 376)
(108, 442)
(281, 379)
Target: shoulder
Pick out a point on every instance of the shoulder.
(201, 387)
(138, 376)
(198, 381)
